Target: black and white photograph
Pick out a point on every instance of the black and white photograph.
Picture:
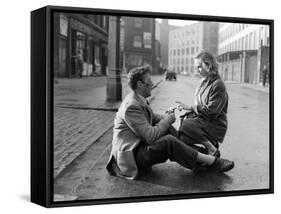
(154, 105)
(140, 107)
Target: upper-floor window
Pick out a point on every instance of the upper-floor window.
(138, 22)
(192, 50)
(137, 42)
(104, 22)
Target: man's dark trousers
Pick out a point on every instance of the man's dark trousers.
(166, 147)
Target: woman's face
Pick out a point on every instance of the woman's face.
(202, 68)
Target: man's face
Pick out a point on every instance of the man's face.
(146, 85)
(202, 68)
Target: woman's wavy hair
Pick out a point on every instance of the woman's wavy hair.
(210, 60)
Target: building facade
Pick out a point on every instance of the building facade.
(243, 51)
(187, 41)
(74, 33)
(139, 43)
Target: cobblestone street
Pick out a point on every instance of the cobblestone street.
(74, 131)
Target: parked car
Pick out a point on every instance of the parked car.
(170, 75)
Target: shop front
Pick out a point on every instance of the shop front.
(80, 45)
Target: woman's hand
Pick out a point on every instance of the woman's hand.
(182, 106)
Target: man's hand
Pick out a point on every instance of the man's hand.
(170, 118)
(182, 106)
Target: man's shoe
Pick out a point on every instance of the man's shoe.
(222, 165)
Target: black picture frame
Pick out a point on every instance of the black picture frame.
(42, 92)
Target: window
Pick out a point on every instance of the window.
(138, 22)
(187, 51)
(250, 40)
(255, 43)
(192, 62)
(239, 44)
(246, 42)
(104, 22)
(192, 50)
(137, 42)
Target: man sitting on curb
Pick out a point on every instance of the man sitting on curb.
(142, 138)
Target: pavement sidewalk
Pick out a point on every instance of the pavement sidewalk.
(256, 87)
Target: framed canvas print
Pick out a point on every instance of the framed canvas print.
(131, 106)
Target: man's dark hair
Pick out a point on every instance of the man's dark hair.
(137, 74)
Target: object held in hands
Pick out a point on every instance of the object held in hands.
(171, 110)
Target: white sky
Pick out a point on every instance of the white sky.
(178, 22)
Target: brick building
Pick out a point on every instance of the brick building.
(138, 42)
(87, 33)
